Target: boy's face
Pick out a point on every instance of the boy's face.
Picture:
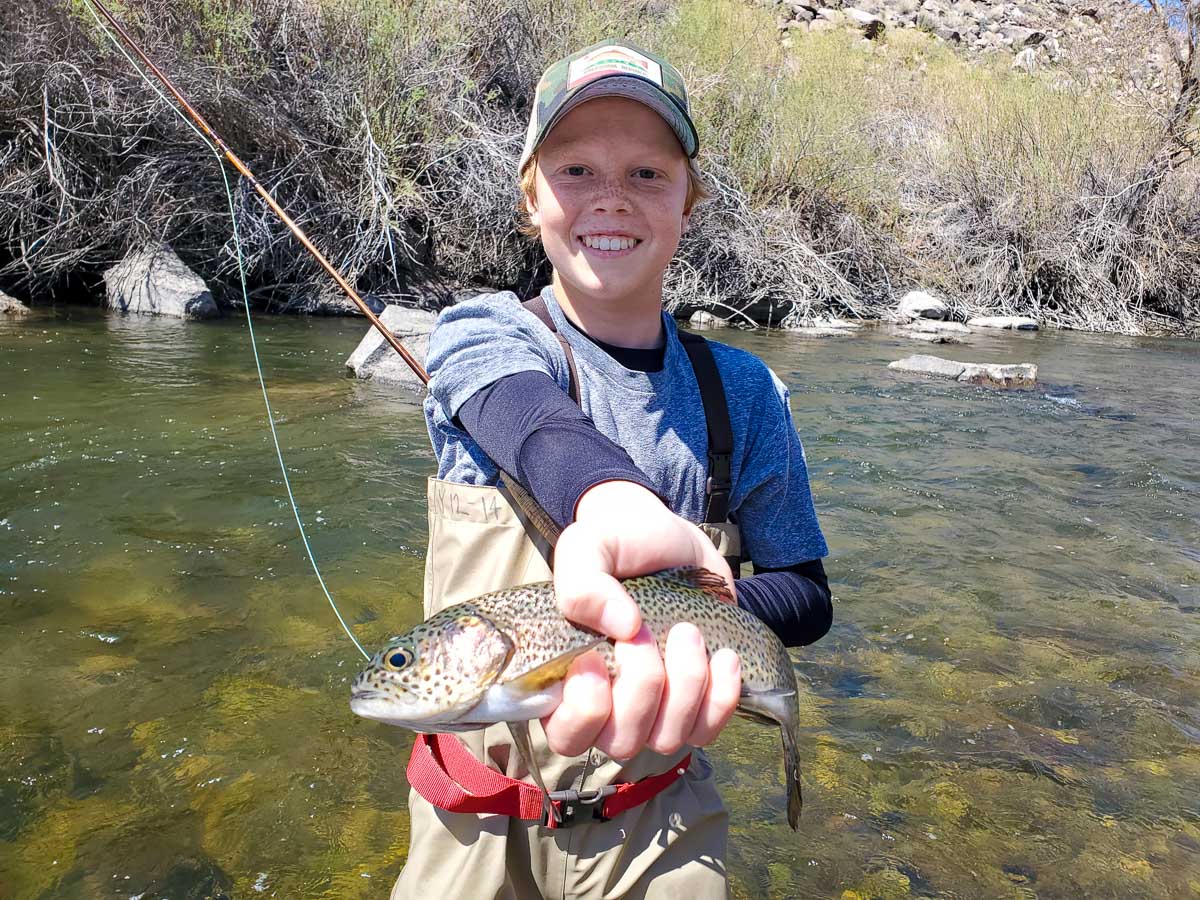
(612, 183)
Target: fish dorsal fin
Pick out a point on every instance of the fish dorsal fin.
(699, 579)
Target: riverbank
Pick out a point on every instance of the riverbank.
(846, 170)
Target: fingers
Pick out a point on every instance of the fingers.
(721, 698)
(586, 704)
(636, 691)
(585, 589)
(655, 703)
(686, 665)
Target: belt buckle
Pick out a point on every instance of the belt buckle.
(571, 806)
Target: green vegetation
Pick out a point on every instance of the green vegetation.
(845, 170)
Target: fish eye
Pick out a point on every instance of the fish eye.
(397, 659)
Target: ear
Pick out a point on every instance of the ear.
(687, 218)
(535, 215)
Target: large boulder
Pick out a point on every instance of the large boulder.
(10, 306)
(872, 26)
(1020, 375)
(1016, 323)
(154, 281)
(374, 357)
(1025, 61)
(703, 319)
(920, 305)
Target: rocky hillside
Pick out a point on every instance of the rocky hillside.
(1109, 44)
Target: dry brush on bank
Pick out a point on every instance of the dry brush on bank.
(843, 172)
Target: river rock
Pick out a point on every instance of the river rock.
(704, 319)
(1016, 323)
(933, 331)
(154, 281)
(920, 305)
(826, 327)
(375, 359)
(935, 326)
(11, 306)
(931, 337)
(989, 375)
(1009, 375)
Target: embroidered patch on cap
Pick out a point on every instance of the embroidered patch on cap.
(612, 59)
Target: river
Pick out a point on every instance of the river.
(1008, 704)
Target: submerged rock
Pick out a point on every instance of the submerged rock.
(986, 374)
(154, 281)
(10, 306)
(932, 337)
(1016, 323)
(375, 359)
(920, 305)
(933, 331)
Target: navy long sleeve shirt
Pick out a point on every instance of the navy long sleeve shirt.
(530, 428)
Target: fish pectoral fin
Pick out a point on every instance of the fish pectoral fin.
(547, 673)
(524, 745)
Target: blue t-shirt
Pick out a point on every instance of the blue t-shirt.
(657, 417)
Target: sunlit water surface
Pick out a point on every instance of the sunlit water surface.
(1008, 704)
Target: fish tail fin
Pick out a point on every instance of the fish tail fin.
(791, 765)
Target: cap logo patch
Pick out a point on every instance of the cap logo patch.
(612, 60)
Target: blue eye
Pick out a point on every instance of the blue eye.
(398, 659)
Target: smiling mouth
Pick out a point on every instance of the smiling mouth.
(609, 243)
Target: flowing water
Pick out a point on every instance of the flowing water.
(1008, 704)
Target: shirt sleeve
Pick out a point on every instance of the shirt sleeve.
(772, 501)
(483, 340)
(529, 427)
(794, 602)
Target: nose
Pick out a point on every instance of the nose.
(611, 196)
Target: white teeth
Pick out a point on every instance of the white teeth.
(609, 243)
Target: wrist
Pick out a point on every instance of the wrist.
(616, 498)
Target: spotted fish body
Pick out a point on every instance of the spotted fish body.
(502, 658)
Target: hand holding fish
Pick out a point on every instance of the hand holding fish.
(661, 701)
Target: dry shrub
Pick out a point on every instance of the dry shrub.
(392, 130)
(1012, 190)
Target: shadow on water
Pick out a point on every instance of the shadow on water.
(1007, 705)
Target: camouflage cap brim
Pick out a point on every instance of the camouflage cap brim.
(613, 68)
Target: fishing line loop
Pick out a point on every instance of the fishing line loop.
(237, 244)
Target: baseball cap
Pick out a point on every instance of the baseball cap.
(610, 69)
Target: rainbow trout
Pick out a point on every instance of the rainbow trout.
(502, 658)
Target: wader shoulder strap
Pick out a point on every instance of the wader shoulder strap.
(537, 306)
(716, 417)
(712, 395)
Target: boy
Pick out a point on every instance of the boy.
(627, 435)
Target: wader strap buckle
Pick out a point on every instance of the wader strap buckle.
(571, 803)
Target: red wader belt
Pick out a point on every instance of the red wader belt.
(475, 788)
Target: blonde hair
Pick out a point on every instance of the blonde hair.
(697, 192)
